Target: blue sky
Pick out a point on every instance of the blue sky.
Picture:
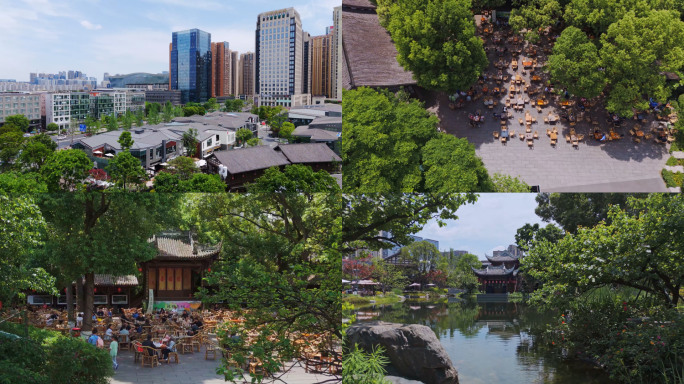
(487, 225)
(124, 36)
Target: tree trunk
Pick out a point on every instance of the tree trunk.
(79, 293)
(70, 302)
(88, 305)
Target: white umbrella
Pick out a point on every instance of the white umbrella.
(345, 281)
(414, 285)
(98, 152)
(109, 155)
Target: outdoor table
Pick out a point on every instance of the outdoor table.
(536, 78)
(529, 136)
(598, 135)
(521, 101)
(614, 135)
(504, 132)
(527, 63)
(541, 102)
(553, 136)
(639, 133)
(528, 117)
(553, 118)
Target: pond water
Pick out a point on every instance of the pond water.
(489, 343)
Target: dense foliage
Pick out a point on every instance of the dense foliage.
(436, 41)
(390, 145)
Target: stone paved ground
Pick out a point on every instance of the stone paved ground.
(194, 369)
(618, 166)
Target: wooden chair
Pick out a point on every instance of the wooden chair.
(173, 354)
(522, 137)
(536, 135)
(553, 142)
(195, 342)
(546, 120)
(539, 111)
(185, 346)
(521, 121)
(124, 342)
(495, 134)
(530, 143)
(503, 140)
(211, 348)
(548, 132)
(149, 357)
(534, 119)
(512, 134)
(567, 138)
(636, 140)
(137, 350)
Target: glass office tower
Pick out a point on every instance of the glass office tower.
(190, 65)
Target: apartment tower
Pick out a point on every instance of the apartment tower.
(247, 74)
(190, 65)
(321, 65)
(221, 70)
(337, 54)
(279, 59)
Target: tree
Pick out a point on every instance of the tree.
(99, 232)
(253, 142)
(182, 166)
(152, 110)
(127, 120)
(535, 16)
(11, 141)
(450, 164)
(168, 112)
(243, 134)
(125, 170)
(52, 127)
(575, 63)
(20, 234)
(191, 109)
(509, 184)
(389, 276)
(286, 130)
(464, 277)
(19, 121)
(636, 250)
(598, 15)
(482, 5)
(125, 141)
(276, 120)
(203, 183)
(189, 140)
(112, 123)
(635, 52)
(139, 116)
(66, 170)
(423, 254)
(436, 41)
(293, 178)
(234, 105)
(211, 104)
(574, 210)
(18, 184)
(34, 154)
(165, 182)
(390, 145)
(528, 234)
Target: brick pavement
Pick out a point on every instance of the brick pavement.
(192, 369)
(618, 166)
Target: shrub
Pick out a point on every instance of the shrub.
(672, 162)
(359, 367)
(73, 361)
(673, 179)
(22, 361)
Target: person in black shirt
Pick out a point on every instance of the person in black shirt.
(149, 343)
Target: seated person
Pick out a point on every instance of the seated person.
(109, 333)
(100, 312)
(148, 343)
(135, 315)
(170, 347)
(125, 331)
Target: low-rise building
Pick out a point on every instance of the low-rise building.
(163, 96)
(21, 103)
(243, 166)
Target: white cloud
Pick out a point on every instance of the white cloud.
(207, 5)
(88, 25)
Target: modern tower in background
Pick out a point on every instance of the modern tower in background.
(279, 59)
(337, 54)
(321, 66)
(190, 65)
(221, 70)
(247, 74)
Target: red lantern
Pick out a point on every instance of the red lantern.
(139, 269)
(64, 289)
(94, 289)
(209, 269)
(118, 289)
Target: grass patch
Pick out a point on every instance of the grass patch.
(673, 179)
(389, 298)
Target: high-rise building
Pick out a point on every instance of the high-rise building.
(247, 74)
(306, 66)
(190, 65)
(234, 73)
(321, 66)
(279, 59)
(337, 54)
(221, 69)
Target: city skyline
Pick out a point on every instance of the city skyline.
(47, 36)
(489, 224)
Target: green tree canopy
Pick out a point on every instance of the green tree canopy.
(52, 127)
(34, 154)
(528, 234)
(125, 170)
(253, 142)
(125, 141)
(201, 182)
(11, 140)
(635, 52)
(17, 184)
(423, 254)
(574, 210)
(286, 130)
(243, 134)
(535, 16)
(21, 122)
(189, 140)
(183, 166)
(575, 63)
(66, 170)
(234, 105)
(391, 145)
(20, 234)
(509, 184)
(635, 250)
(436, 41)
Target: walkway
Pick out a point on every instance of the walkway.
(193, 369)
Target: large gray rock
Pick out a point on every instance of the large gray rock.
(413, 350)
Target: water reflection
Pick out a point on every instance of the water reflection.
(489, 342)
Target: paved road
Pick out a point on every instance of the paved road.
(193, 369)
(65, 142)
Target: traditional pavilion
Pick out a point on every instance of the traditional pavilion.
(175, 274)
(500, 273)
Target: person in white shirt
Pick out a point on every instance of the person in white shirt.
(79, 320)
(109, 333)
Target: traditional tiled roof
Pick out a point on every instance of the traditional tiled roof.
(115, 280)
(368, 50)
(308, 153)
(495, 271)
(502, 257)
(172, 247)
(251, 159)
(316, 135)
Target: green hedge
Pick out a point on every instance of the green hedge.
(673, 179)
(49, 357)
